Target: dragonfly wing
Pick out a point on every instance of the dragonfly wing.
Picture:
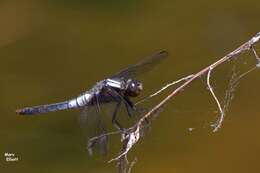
(146, 65)
(93, 126)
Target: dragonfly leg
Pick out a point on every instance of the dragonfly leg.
(128, 103)
(97, 103)
(129, 106)
(117, 98)
(115, 123)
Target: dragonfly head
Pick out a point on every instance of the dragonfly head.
(133, 87)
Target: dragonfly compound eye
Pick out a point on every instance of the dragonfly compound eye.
(134, 88)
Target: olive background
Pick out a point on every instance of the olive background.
(51, 51)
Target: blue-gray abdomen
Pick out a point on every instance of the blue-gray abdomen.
(43, 108)
(80, 101)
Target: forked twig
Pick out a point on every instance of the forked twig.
(245, 47)
(134, 134)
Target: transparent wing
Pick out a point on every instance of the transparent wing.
(146, 65)
(93, 125)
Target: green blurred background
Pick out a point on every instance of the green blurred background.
(54, 50)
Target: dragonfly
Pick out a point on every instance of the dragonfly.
(118, 88)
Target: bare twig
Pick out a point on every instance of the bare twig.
(245, 73)
(132, 165)
(131, 138)
(218, 124)
(105, 134)
(245, 47)
(134, 135)
(256, 56)
(165, 87)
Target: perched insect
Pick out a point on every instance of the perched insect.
(118, 88)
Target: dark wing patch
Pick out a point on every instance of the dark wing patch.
(146, 65)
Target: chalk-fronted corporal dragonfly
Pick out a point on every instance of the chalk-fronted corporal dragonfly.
(118, 88)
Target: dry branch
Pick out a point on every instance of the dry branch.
(134, 132)
(245, 47)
